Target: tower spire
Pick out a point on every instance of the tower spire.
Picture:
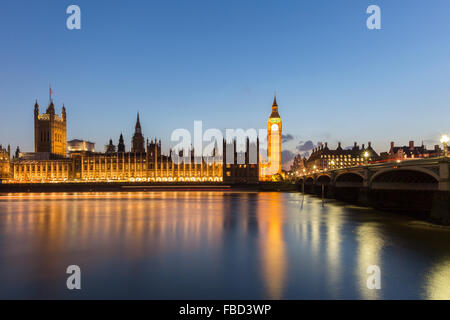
(275, 113)
(138, 122)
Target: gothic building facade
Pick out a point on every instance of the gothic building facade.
(5, 156)
(323, 158)
(144, 162)
(50, 131)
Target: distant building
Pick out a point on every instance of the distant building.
(323, 157)
(299, 164)
(411, 152)
(50, 131)
(81, 146)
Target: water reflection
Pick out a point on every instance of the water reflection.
(438, 281)
(333, 223)
(214, 245)
(274, 264)
(370, 245)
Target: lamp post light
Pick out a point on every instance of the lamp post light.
(444, 141)
(366, 157)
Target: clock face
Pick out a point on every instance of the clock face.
(274, 127)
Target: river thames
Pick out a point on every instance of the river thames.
(214, 245)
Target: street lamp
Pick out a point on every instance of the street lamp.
(366, 156)
(444, 141)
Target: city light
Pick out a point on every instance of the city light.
(444, 141)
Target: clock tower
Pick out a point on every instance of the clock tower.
(274, 131)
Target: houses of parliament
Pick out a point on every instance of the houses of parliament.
(56, 160)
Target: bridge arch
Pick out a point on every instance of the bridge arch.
(349, 177)
(404, 189)
(323, 179)
(407, 175)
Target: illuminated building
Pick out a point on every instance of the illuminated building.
(274, 132)
(80, 146)
(323, 158)
(410, 152)
(241, 168)
(145, 162)
(148, 166)
(298, 165)
(50, 134)
(5, 155)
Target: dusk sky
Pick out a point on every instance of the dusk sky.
(220, 62)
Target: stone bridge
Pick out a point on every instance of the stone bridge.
(421, 186)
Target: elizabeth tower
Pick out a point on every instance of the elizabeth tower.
(274, 129)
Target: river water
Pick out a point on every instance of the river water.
(215, 245)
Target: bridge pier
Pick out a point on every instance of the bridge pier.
(363, 196)
(330, 192)
(440, 211)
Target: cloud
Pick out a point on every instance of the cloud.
(308, 145)
(305, 154)
(286, 156)
(286, 138)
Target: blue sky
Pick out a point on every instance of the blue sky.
(220, 62)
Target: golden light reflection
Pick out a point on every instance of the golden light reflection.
(370, 244)
(274, 264)
(334, 222)
(438, 281)
(136, 221)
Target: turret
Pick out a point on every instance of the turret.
(121, 145)
(138, 128)
(63, 113)
(36, 110)
(17, 153)
(51, 108)
(110, 148)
